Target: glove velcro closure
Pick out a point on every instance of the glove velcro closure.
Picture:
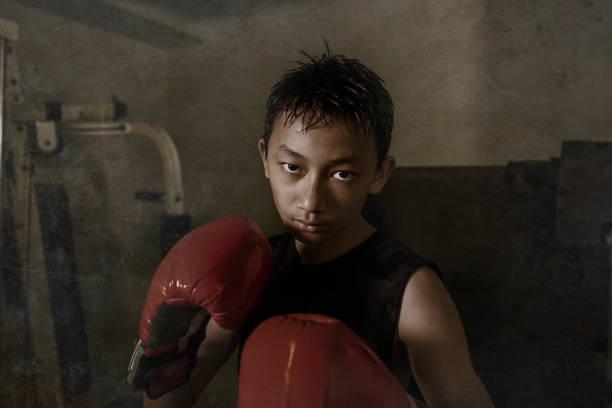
(168, 355)
(170, 323)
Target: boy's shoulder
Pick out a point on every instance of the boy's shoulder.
(385, 252)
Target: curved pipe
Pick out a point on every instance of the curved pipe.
(173, 196)
(170, 161)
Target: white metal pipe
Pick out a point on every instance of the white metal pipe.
(113, 127)
(171, 163)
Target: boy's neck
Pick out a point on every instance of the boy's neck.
(342, 243)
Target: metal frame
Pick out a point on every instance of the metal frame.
(8, 32)
(173, 196)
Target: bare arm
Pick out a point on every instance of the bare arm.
(430, 327)
(212, 354)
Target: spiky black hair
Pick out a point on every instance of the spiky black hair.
(330, 87)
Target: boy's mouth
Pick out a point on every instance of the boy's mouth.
(308, 226)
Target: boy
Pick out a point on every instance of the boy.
(324, 150)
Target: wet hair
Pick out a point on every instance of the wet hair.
(327, 88)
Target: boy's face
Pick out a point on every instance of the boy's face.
(320, 178)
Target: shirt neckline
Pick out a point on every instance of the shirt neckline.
(339, 258)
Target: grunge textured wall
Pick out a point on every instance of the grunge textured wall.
(475, 83)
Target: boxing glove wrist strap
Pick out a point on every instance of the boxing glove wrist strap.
(158, 370)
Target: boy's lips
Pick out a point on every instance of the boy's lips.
(309, 226)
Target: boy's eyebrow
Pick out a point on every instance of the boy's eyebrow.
(285, 149)
(341, 160)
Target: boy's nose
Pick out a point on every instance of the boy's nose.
(311, 195)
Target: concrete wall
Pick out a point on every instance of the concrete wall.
(474, 83)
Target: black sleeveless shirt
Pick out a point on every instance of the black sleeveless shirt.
(363, 288)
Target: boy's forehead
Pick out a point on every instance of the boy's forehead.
(303, 124)
(334, 141)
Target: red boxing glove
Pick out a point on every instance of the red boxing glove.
(314, 361)
(218, 270)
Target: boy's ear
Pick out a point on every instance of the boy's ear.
(382, 175)
(261, 145)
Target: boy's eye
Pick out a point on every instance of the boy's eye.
(290, 167)
(343, 175)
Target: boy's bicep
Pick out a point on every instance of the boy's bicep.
(430, 327)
